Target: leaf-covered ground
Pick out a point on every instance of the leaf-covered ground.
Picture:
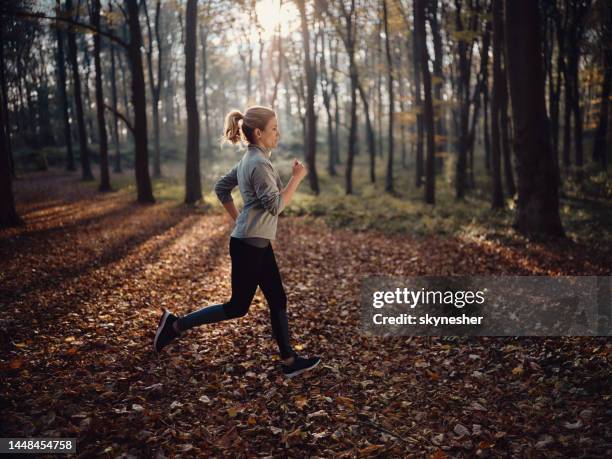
(83, 284)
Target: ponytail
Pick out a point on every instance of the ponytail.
(231, 129)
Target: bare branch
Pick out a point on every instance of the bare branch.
(122, 117)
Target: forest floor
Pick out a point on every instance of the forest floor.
(83, 284)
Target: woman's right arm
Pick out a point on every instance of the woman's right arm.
(223, 189)
(266, 189)
(299, 172)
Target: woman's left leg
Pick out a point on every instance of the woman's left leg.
(271, 285)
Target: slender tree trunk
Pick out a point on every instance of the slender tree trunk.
(155, 88)
(325, 90)
(143, 180)
(78, 101)
(93, 138)
(419, 105)
(567, 117)
(337, 159)
(42, 96)
(428, 106)
(124, 79)
(576, 111)
(389, 177)
(61, 68)
(505, 126)
(5, 111)
(311, 120)
(497, 197)
(369, 131)
(537, 212)
(464, 107)
(117, 167)
(8, 213)
(439, 78)
(204, 44)
(103, 142)
(601, 134)
(193, 185)
(379, 84)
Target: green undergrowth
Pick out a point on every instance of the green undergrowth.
(585, 206)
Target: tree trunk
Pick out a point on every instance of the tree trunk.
(505, 126)
(8, 214)
(497, 197)
(87, 108)
(78, 101)
(439, 78)
(537, 212)
(419, 105)
(61, 68)
(601, 134)
(193, 191)
(117, 167)
(155, 88)
(141, 166)
(5, 112)
(103, 141)
(464, 107)
(325, 90)
(389, 177)
(428, 106)
(204, 44)
(311, 120)
(369, 132)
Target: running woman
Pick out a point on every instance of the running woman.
(253, 261)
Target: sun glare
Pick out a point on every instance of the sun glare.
(271, 14)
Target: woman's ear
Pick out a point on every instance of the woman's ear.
(257, 133)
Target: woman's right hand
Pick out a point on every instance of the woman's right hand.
(299, 170)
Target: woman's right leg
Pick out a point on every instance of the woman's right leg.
(247, 261)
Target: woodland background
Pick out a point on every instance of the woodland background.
(455, 137)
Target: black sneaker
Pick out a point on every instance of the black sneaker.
(165, 331)
(300, 365)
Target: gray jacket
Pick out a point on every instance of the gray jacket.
(260, 187)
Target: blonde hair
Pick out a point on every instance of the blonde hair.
(255, 117)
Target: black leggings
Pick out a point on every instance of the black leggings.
(251, 267)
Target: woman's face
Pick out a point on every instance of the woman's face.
(268, 138)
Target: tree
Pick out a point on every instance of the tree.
(102, 138)
(311, 119)
(348, 34)
(113, 82)
(78, 100)
(389, 180)
(419, 24)
(600, 145)
(537, 212)
(8, 214)
(155, 87)
(326, 85)
(193, 187)
(61, 70)
(143, 180)
(497, 198)
(465, 41)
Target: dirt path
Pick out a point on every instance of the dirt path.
(84, 282)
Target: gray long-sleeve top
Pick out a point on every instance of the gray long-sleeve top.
(260, 187)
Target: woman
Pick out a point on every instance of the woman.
(253, 261)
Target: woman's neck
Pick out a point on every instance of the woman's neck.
(266, 151)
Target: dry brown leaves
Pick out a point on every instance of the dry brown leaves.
(83, 284)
